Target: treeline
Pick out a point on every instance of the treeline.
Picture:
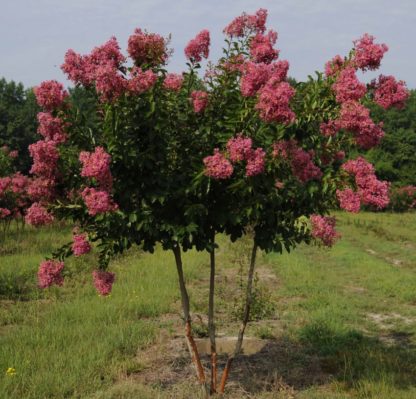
(394, 159)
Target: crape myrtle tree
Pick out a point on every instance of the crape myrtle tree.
(174, 159)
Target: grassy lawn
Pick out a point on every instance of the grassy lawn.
(339, 323)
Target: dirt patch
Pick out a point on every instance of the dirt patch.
(388, 320)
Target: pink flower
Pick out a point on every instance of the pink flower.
(333, 66)
(348, 87)
(141, 81)
(37, 215)
(97, 165)
(349, 200)
(51, 128)
(74, 67)
(107, 54)
(80, 244)
(109, 83)
(147, 49)
(173, 81)
(323, 228)
(5, 183)
(98, 201)
(19, 183)
(356, 119)
(45, 158)
(41, 189)
(4, 212)
(13, 154)
(247, 23)
(261, 47)
(217, 166)
(239, 148)
(198, 47)
(390, 93)
(301, 161)
(371, 190)
(103, 281)
(50, 95)
(234, 63)
(273, 102)
(367, 54)
(199, 100)
(330, 128)
(279, 184)
(256, 162)
(50, 273)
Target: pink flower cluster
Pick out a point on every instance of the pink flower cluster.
(41, 189)
(240, 149)
(4, 212)
(389, 92)
(97, 165)
(37, 215)
(273, 102)
(256, 75)
(109, 83)
(234, 63)
(51, 128)
(50, 95)
(199, 100)
(370, 190)
(347, 87)
(355, 118)
(330, 128)
(103, 281)
(141, 81)
(80, 245)
(147, 49)
(173, 81)
(323, 228)
(198, 47)
(333, 66)
(217, 166)
(367, 54)
(45, 158)
(13, 154)
(98, 201)
(301, 161)
(50, 273)
(247, 23)
(261, 47)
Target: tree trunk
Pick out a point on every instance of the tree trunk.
(193, 350)
(246, 317)
(211, 324)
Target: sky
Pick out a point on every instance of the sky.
(35, 34)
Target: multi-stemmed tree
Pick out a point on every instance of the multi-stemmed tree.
(177, 158)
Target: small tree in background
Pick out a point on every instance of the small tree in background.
(175, 158)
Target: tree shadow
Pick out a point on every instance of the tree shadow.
(323, 355)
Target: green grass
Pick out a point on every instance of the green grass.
(346, 316)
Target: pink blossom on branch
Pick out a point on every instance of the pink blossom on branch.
(261, 47)
(4, 212)
(80, 245)
(256, 162)
(333, 66)
(349, 200)
(147, 48)
(141, 81)
(217, 166)
(199, 100)
(245, 23)
(273, 102)
(109, 82)
(367, 54)
(347, 86)
(41, 189)
(50, 95)
(51, 128)
(198, 47)
(103, 281)
(98, 201)
(45, 158)
(390, 93)
(50, 273)
(239, 148)
(173, 81)
(323, 228)
(97, 165)
(37, 215)
(107, 54)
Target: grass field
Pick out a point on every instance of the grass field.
(338, 323)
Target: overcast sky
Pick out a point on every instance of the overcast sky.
(35, 34)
